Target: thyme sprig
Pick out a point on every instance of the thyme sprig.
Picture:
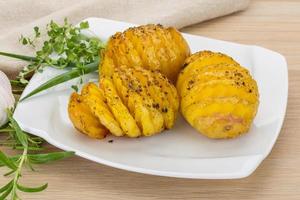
(64, 48)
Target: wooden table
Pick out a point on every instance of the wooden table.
(269, 23)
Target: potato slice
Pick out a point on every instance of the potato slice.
(140, 104)
(221, 117)
(180, 41)
(83, 119)
(119, 110)
(96, 101)
(159, 96)
(139, 83)
(130, 52)
(221, 105)
(221, 71)
(173, 54)
(215, 89)
(199, 60)
(135, 41)
(168, 88)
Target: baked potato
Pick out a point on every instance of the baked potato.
(131, 102)
(83, 119)
(97, 102)
(219, 97)
(149, 46)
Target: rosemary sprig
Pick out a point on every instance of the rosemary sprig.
(18, 162)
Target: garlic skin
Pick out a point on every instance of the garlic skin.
(7, 99)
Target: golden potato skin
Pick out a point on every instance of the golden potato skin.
(139, 101)
(94, 98)
(146, 98)
(119, 110)
(219, 98)
(83, 119)
(132, 102)
(199, 60)
(150, 46)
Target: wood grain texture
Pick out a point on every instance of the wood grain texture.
(269, 23)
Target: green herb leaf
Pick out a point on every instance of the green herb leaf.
(5, 187)
(30, 40)
(75, 88)
(9, 173)
(49, 157)
(84, 25)
(7, 161)
(74, 73)
(23, 40)
(21, 136)
(6, 193)
(30, 190)
(37, 31)
(29, 148)
(13, 158)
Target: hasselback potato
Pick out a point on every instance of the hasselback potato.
(149, 46)
(131, 102)
(83, 119)
(219, 97)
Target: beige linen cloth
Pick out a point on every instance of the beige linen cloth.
(20, 16)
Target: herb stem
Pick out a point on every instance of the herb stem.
(18, 174)
(18, 56)
(16, 83)
(6, 130)
(15, 91)
(69, 75)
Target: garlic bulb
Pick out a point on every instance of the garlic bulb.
(7, 99)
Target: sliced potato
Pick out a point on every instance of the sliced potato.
(83, 119)
(140, 105)
(160, 98)
(233, 105)
(97, 103)
(168, 89)
(222, 71)
(150, 46)
(219, 98)
(200, 60)
(119, 110)
(221, 118)
(216, 89)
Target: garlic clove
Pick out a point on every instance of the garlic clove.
(3, 115)
(7, 99)
(4, 81)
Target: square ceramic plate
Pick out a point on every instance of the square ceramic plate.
(180, 152)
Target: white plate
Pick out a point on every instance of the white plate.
(180, 152)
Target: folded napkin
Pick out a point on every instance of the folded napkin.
(19, 17)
